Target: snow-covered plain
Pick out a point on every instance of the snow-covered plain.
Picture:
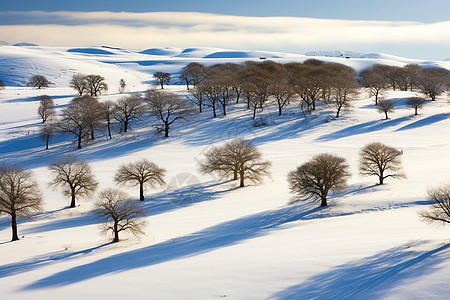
(207, 239)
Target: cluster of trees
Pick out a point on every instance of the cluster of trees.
(20, 195)
(326, 172)
(432, 81)
(93, 85)
(86, 114)
(260, 83)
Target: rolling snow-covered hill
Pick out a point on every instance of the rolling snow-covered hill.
(208, 239)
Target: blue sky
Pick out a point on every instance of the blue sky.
(416, 29)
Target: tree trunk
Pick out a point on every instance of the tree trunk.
(79, 141)
(386, 115)
(235, 174)
(200, 107)
(254, 113)
(415, 109)
(279, 110)
(241, 178)
(109, 130)
(72, 202)
(141, 191)
(166, 130)
(125, 126)
(116, 233)
(337, 113)
(47, 139)
(162, 85)
(15, 236)
(214, 109)
(324, 200)
(224, 109)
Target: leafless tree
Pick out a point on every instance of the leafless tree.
(107, 114)
(122, 86)
(48, 129)
(372, 79)
(167, 107)
(75, 118)
(142, 173)
(281, 89)
(433, 81)
(440, 205)
(343, 86)
(38, 81)
(74, 176)
(193, 73)
(377, 159)
(199, 97)
(317, 177)
(95, 85)
(118, 213)
(162, 78)
(79, 83)
(46, 109)
(19, 195)
(237, 158)
(415, 103)
(127, 109)
(386, 106)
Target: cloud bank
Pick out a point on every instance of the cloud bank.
(185, 29)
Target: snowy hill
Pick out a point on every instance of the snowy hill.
(208, 239)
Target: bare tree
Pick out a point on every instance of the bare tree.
(162, 78)
(48, 129)
(377, 159)
(343, 86)
(415, 103)
(38, 81)
(122, 86)
(237, 158)
(74, 176)
(167, 107)
(19, 195)
(372, 79)
(95, 85)
(81, 117)
(46, 109)
(127, 109)
(199, 97)
(142, 173)
(193, 73)
(386, 106)
(433, 81)
(74, 119)
(118, 213)
(79, 83)
(107, 114)
(317, 177)
(440, 205)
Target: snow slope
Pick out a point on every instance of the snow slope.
(207, 239)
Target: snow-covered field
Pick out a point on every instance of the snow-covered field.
(207, 239)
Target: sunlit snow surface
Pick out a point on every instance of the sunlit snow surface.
(207, 239)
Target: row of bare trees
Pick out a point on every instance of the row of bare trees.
(431, 81)
(85, 114)
(20, 195)
(260, 83)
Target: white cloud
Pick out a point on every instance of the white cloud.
(180, 29)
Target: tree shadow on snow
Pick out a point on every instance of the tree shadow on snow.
(209, 239)
(368, 278)
(43, 260)
(426, 121)
(362, 128)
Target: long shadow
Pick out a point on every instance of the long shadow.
(85, 219)
(426, 121)
(43, 260)
(368, 278)
(362, 128)
(183, 197)
(209, 239)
